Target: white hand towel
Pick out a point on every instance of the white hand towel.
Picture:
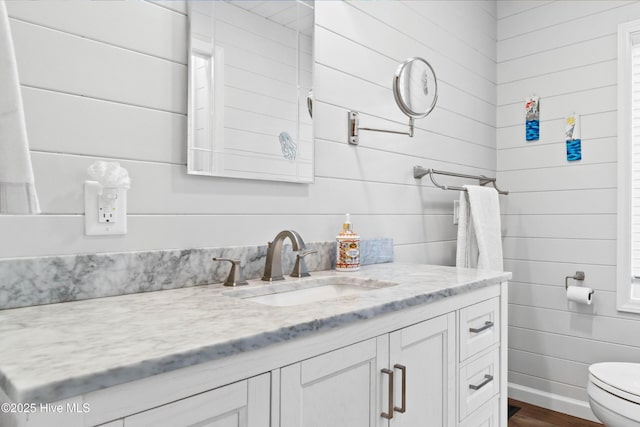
(17, 188)
(467, 248)
(484, 209)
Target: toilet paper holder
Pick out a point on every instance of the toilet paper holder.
(578, 276)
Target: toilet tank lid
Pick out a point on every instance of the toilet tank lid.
(622, 376)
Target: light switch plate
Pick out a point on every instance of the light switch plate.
(94, 223)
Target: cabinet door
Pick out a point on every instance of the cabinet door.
(242, 404)
(338, 388)
(426, 351)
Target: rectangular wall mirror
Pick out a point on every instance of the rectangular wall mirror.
(250, 85)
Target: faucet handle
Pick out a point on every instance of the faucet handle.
(300, 268)
(235, 274)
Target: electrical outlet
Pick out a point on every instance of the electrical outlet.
(105, 209)
(107, 205)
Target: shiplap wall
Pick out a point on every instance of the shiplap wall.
(560, 216)
(108, 80)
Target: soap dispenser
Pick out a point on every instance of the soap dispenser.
(348, 248)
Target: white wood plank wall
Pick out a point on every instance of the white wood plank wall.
(560, 216)
(108, 80)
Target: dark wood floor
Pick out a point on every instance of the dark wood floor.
(534, 416)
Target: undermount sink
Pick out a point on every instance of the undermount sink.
(306, 291)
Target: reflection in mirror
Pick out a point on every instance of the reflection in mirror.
(250, 70)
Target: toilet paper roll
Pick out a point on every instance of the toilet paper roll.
(580, 294)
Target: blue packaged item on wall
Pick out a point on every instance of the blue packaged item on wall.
(532, 108)
(574, 150)
(533, 130)
(572, 133)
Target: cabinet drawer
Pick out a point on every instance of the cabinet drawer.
(479, 382)
(479, 327)
(488, 415)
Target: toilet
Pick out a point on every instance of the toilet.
(614, 393)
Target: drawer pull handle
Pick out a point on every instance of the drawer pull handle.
(389, 415)
(403, 408)
(486, 326)
(487, 380)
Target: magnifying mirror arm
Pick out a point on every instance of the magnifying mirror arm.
(354, 128)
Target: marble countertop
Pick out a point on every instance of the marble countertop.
(56, 351)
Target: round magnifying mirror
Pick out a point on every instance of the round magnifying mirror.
(415, 87)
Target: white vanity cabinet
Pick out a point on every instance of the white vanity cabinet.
(403, 378)
(444, 371)
(437, 364)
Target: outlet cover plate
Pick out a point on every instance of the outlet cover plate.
(92, 224)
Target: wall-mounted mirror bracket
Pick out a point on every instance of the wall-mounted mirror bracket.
(354, 128)
(415, 89)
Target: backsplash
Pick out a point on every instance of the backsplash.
(46, 280)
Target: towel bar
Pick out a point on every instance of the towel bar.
(419, 172)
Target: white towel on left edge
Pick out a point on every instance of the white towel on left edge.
(483, 227)
(17, 188)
